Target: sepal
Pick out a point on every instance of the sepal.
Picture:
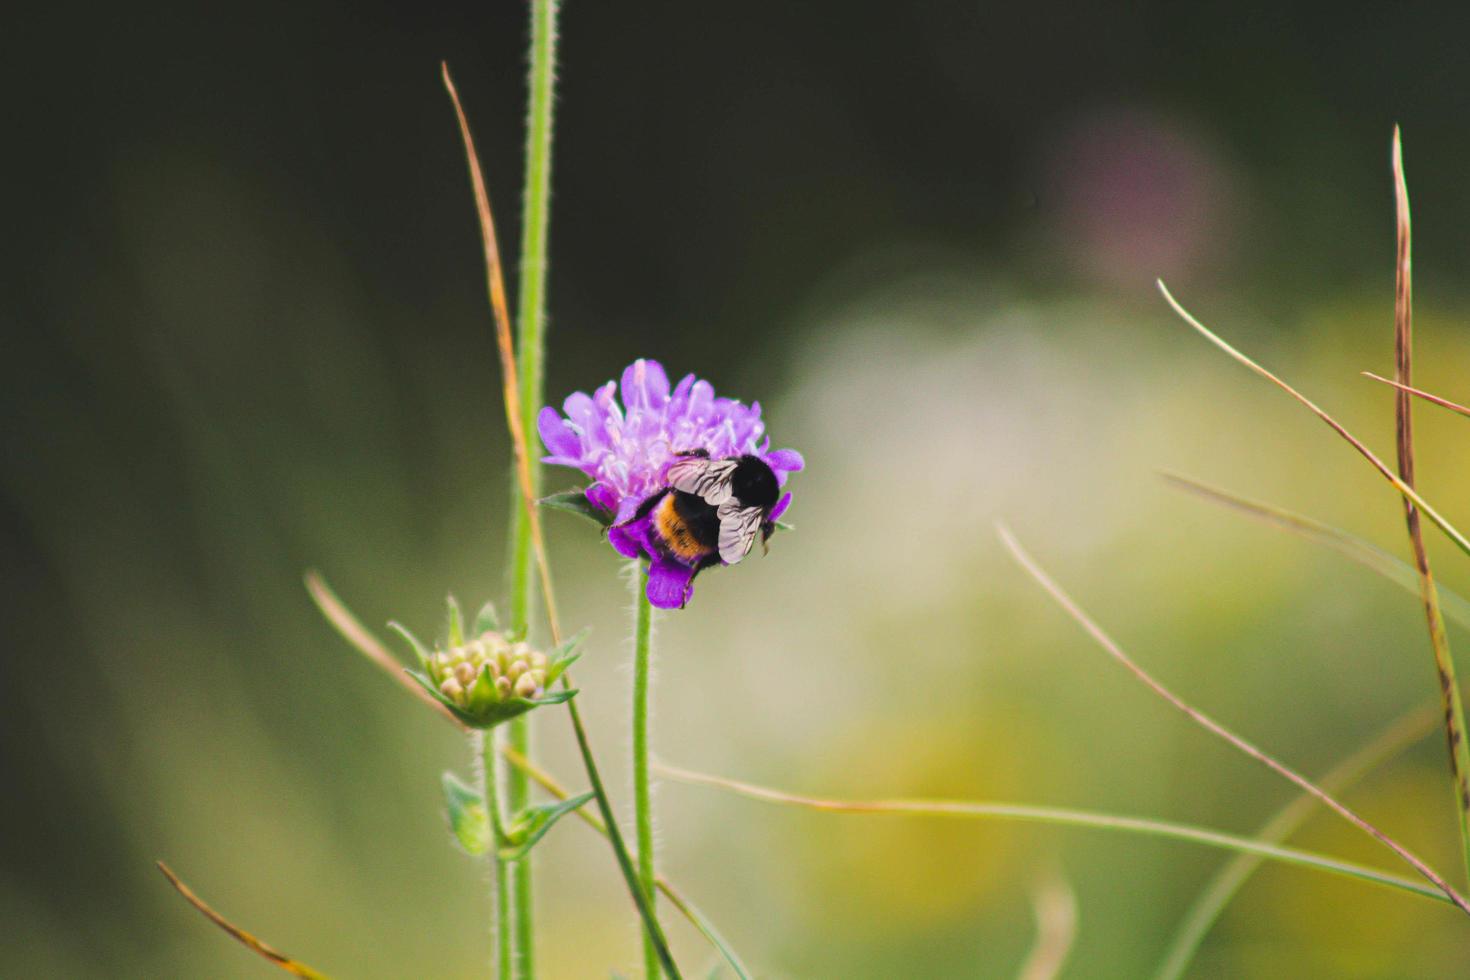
(575, 501)
(489, 713)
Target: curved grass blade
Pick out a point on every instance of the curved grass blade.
(1439, 641)
(1206, 908)
(275, 956)
(1420, 393)
(1440, 522)
(1055, 904)
(1350, 546)
(976, 810)
(1029, 565)
(362, 640)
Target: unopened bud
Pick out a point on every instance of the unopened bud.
(526, 686)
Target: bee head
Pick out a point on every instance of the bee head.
(754, 483)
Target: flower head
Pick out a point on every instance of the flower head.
(490, 678)
(626, 450)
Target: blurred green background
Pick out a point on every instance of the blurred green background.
(245, 334)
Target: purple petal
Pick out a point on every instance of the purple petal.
(603, 497)
(670, 584)
(645, 385)
(780, 507)
(632, 539)
(623, 543)
(578, 407)
(788, 460)
(559, 440)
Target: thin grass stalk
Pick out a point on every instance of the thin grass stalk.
(495, 283)
(1350, 546)
(260, 947)
(1062, 816)
(531, 353)
(1439, 641)
(1420, 393)
(642, 790)
(488, 768)
(1049, 585)
(1216, 895)
(1439, 520)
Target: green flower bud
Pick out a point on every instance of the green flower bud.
(487, 679)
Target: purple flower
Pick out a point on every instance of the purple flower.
(627, 448)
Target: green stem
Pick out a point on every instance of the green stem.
(530, 354)
(488, 765)
(642, 801)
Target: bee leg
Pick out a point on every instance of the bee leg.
(767, 529)
(645, 508)
(698, 453)
(709, 561)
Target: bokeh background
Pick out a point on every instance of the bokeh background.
(245, 334)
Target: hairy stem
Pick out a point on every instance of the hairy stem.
(642, 801)
(531, 318)
(488, 767)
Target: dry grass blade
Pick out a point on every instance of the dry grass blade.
(1056, 929)
(1209, 724)
(275, 956)
(365, 643)
(1420, 393)
(1439, 521)
(1350, 546)
(509, 377)
(495, 281)
(1403, 348)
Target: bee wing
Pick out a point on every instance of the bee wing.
(708, 479)
(738, 528)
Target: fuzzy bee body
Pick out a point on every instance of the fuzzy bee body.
(712, 509)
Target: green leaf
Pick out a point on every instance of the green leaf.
(783, 526)
(568, 646)
(563, 657)
(456, 622)
(468, 819)
(487, 621)
(420, 651)
(575, 501)
(532, 823)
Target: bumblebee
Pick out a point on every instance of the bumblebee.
(712, 509)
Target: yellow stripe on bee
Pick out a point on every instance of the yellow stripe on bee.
(675, 533)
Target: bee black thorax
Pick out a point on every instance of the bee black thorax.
(754, 483)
